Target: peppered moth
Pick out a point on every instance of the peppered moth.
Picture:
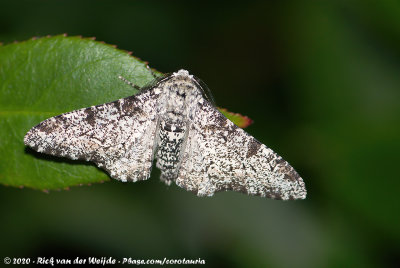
(195, 145)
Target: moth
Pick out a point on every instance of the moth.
(174, 122)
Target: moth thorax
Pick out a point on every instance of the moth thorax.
(176, 99)
(173, 117)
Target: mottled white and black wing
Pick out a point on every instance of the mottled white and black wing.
(118, 136)
(219, 156)
(195, 145)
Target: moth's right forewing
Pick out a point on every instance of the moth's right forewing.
(118, 136)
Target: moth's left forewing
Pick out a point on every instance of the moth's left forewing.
(219, 156)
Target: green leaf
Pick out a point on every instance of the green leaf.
(41, 78)
(49, 76)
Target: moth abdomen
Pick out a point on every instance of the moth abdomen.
(171, 137)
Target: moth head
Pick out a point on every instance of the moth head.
(183, 73)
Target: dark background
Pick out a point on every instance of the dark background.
(321, 81)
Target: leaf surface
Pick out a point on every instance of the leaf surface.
(49, 76)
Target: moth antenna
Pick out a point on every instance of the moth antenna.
(129, 82)
(151, 71)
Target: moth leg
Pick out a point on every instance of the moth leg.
(129, 82)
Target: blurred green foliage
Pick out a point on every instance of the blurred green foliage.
(320, 80)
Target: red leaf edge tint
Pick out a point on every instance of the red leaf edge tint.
(241, 121)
